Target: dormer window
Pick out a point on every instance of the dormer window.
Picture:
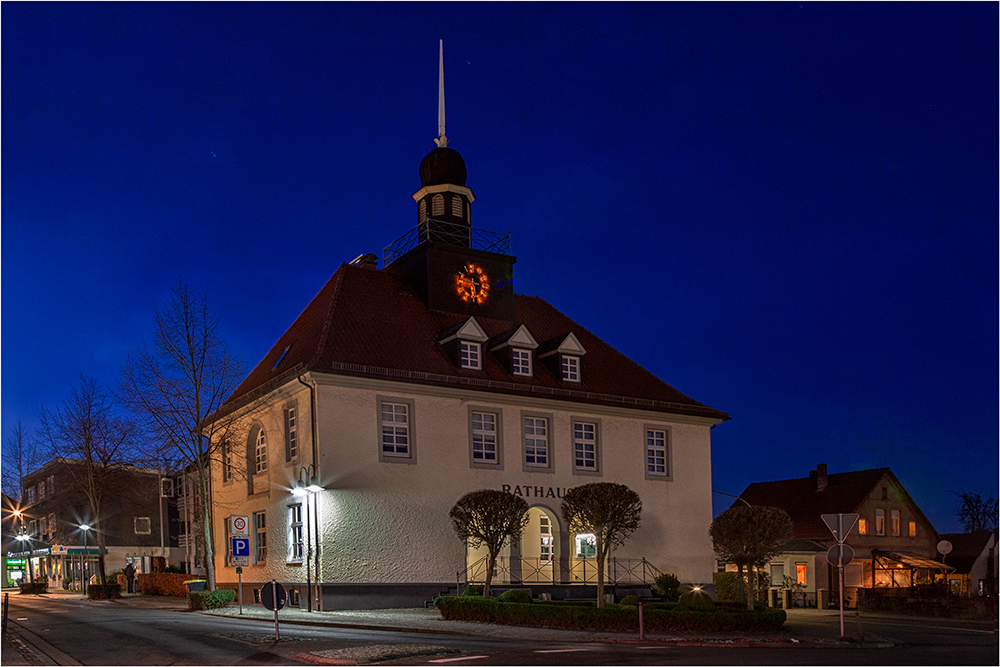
(520, 361)
(570, 368)
(471, 355)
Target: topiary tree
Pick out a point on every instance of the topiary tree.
(492, 518)
(750, 535)
(610, 511)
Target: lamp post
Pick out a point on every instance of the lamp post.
(86, 529)
(308, 485)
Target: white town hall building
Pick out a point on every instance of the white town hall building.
(408, 386)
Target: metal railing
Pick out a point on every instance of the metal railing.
(451, 233)
(619, 571)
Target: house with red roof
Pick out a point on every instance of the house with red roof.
(401, 387)
(893, 541)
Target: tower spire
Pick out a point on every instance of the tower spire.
(442, 140)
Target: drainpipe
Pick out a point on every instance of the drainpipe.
(315, 461)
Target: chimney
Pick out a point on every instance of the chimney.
(820, 474)
(366, 261)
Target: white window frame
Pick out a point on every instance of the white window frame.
(260, 537)
(291, 434)
(580, 440)
(471, 355)
(534, 445)
(879, 521)
(485, 437)
(894, 522)
(227, 460)
(546, 540)
(296, 543)
(578, 541)
(260, 452)
(137, 523)
(570, 365)
(656, 448)
(398, 451)
(520, 362)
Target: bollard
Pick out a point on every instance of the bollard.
(861, 636)
(642, 629)
(5, 595)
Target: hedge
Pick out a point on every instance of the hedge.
(210, 599)
(613, 618)
(104, 591)
(162, 583)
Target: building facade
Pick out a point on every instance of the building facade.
(400, 389)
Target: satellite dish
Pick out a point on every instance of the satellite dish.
(944, 547)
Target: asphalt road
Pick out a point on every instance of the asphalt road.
(91, 633)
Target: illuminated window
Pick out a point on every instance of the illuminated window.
(521, 362)
(548, 544)
(536, 441)
(913, 529)
(471, 355)
(295, 532)
(456, 206)
(800, 574)
(41, 489)
(52, 484)
(880, 522)
(260, 536)
(142, 525)
(586, 545)
(395, 429)
(862, 526)
(437, 205)
(657, 461)
(484, 437)
(291, 435)
(585, 446)
(894, 519)
(570, 368)
(260, 452)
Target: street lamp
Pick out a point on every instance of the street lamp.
(308, 485)
(86, 529)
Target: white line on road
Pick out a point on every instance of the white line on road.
(466, 657)
(932, 627)
(565, 650)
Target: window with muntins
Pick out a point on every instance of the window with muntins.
(471, 354)
(656, 452)
(521, 362)
(894, 519)
(548, 544)
(260, 536)
(227, 460)
(536, 441)
(880, 522)
(260, 452)
(800, 574)
(484, 437)
(295, 532)
(862, 526)
(395, 429)
(586, 545)
(585, 446)
(291, 435)
(570, 368)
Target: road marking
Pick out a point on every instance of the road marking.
(646, 648)
(565, 650)
(932, 627)
(467, 657)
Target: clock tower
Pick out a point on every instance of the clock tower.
(451, 266)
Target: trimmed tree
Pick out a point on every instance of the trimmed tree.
(610, 511)
(489, 517)
(750, 535)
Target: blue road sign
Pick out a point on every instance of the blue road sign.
(241, 547)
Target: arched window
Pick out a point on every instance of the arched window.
(456, 206)
(260, 452)
(437, 205)
(422, 210)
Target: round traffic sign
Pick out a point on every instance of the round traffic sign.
(273, 596)
(840, 555)
(239, 523)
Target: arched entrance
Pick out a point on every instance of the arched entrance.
(539, 558)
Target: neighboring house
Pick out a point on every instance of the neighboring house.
(404, 388)
(974, 557)
(189, 522)
(894, 543)
(135, 520)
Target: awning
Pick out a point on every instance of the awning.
(911, 560)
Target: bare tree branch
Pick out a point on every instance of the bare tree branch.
(492, 518)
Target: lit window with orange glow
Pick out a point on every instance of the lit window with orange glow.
(862, 526)
(800, 574)
(913, 529)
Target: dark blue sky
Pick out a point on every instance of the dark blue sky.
(787, 211)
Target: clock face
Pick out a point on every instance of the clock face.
(472, 284)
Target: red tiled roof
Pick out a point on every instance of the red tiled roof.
(843, 493)
(370, 323)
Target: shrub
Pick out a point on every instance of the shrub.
(668, 587)
(104, 591)
(515, 595)
(695, 601)
(473, 590)
(28, 588)
(631, 600)
(210, 599)
(162, 583)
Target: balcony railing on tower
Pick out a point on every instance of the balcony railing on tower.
(451, 233)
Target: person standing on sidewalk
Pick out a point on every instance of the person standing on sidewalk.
(130, 578)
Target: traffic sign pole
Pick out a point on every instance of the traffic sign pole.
(274, 594)
(239, 573)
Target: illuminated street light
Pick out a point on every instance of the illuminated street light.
(302, 488)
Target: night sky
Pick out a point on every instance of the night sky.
(786, 211)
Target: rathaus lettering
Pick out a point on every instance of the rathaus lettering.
(534, 491)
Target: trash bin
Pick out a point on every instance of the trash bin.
(195, 585)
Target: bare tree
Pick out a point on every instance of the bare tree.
(492, 518)
(610, 511)
(20, 456)
(975, 512)
(96, 444)
(750, 535)
(175, 386)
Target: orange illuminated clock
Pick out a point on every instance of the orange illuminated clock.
(472, 284)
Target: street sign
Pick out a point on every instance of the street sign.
(239, 525)
(240, 551)
(273, 596)
(840, 555)
(239, 570)
(840, 524)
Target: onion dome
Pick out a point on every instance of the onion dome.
(442, 165)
